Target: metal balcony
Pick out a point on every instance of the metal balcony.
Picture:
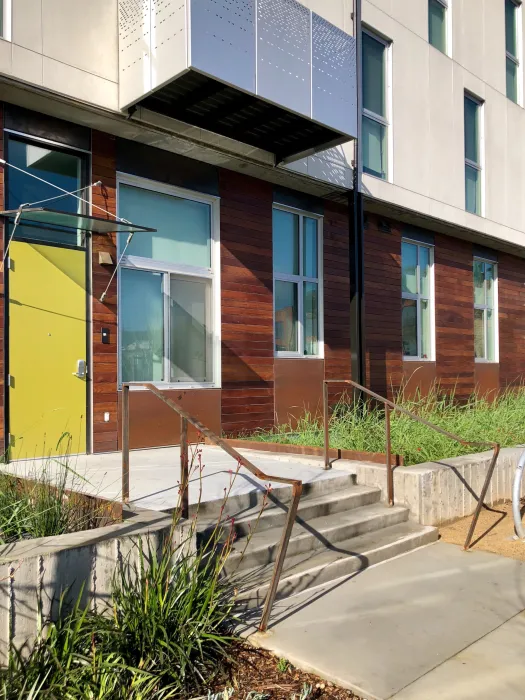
(269, 73)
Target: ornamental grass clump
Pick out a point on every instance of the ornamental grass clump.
(164, 633)
(48, 500)
(361, 425)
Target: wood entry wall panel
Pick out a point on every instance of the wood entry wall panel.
(154, 424)
(104, 360)
(246, 303)
(298, 389)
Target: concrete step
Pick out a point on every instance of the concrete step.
(248, 505)
(312, 535)
(311, 506)
(316, 567)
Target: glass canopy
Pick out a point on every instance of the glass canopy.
(73, 221)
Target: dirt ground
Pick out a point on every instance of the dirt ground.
(494, 532)
(259, 675)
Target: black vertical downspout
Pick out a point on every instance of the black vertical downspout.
(356, 232)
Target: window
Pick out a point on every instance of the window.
(472, 116)
(485, 310)
(297, 290)
(375, 111)
(437, 24)
(417, 300)
(5, 19)
(512, 14)
(167, 286)
(60, 167)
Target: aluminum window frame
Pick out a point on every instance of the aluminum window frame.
(517, 60)
(485, 308)
(385, 121)
(480, 166)
(446, 4)
(420, 297)
(6, 15)
(183, 272)
(300, 279)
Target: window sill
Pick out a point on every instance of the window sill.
(482, 361)
(171, 386)
(292, 356)
(418, 359)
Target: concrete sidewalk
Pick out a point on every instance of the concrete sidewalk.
(409, 628)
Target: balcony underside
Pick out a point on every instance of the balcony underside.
(206, 103)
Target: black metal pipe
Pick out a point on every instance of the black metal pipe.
(356, 233)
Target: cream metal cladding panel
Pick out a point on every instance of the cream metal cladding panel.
(134, 18)
(223, 40)
(284, 54)
(334, 76)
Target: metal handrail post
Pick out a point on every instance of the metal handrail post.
(125, 443)
(326, 423)
(296, 484)
(481, 500)
(467, 443)
(389, 470)
(281, 556)
(184, 468)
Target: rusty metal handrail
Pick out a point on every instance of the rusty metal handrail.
(296, 484)
(391, 406)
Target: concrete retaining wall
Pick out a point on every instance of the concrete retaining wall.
(35, 573)
(439, 492)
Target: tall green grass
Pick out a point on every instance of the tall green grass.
(361, 426)
(163, 634)
(44, 503)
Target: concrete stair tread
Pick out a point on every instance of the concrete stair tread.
(349, 556)
(312, 499)
(247, 505)
(324, 526)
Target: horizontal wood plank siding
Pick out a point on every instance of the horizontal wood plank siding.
(338, 359)
(511, 289)
(246, 303)
(382, 260)
(454, 303)
(105, 397)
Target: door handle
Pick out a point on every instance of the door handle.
(81, 369)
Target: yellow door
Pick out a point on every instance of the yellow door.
(47, 339)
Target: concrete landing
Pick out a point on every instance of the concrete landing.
(155, 474)
(383, 631)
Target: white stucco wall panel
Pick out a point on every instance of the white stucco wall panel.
(410, 112)
(427, 129)
(82, 35)
(27, 65)
(497, 204)
(27, 24)
(70, 81)
(445, 157)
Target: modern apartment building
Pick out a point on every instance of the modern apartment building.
(282, 191)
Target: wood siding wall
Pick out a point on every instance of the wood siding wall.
(104, 380)
(454, 303)
(382, 254)
(246, 303)
(338, 356)
(511, 288)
